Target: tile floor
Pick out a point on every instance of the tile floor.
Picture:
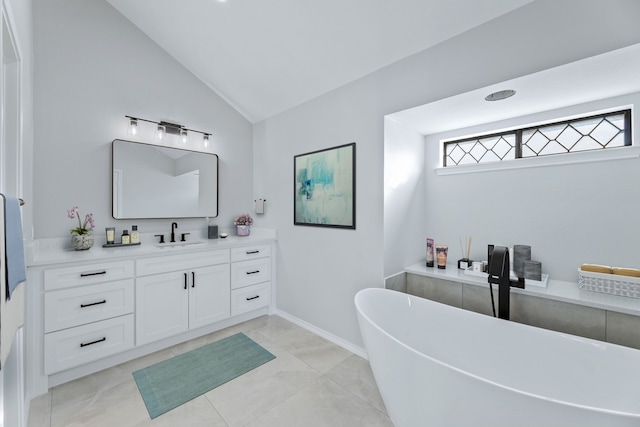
(311, 382)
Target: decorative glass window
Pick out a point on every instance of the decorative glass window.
(596, 132)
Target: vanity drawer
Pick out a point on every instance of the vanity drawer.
(60, 278)
(250, 298)
(250, 272)
(250, 252)
(67, 308)
(75, 346)
(165, 264)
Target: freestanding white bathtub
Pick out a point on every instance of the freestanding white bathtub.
(438, 366)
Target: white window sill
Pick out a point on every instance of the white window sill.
(552, 160)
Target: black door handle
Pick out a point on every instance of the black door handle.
(93, 342)
(104, 301)
(92, 274)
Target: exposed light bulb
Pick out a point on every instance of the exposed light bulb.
(205, 140)
(161, 132)
(133, 127)
(183, 136)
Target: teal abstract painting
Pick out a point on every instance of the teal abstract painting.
(324, 187)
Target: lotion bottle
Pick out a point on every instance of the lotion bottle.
(135, 235)
(126, 239)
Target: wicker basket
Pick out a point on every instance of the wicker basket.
(614, 284)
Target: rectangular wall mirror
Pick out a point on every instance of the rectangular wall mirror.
(151, 181)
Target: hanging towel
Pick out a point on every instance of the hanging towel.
(260, 206)
(13, 246)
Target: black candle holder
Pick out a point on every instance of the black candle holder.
(464, 263)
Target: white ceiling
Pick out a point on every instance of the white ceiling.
(264, 57)
(602, 76)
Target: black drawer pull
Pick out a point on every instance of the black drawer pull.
(104, 301)
(185, 280)
(256, 297)
(92, 274)
(84, 344)
(193, 279)
(253, 272)
(252, 252)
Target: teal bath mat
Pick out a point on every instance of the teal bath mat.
(169, 384)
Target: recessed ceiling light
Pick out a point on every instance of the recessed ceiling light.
(499, 96)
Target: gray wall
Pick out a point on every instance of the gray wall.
(405, 208)
(320, 270)
(94, 67)
(570, 214)
(589, 322)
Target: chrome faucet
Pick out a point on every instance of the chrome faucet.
(174, 225)
(499, 274)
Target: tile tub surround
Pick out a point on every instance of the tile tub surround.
(561, 307)
(312, 382)
(397, 282)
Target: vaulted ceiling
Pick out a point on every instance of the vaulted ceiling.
(264, 57)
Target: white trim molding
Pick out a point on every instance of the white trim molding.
(324, 334)
(619, 153)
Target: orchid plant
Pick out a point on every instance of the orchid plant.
(244, 219)
(83, 227)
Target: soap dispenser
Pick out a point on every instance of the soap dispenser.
(126, 239)
(135, 235)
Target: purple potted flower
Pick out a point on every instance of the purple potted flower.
(243, 224)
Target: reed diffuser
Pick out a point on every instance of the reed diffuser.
(465, 250)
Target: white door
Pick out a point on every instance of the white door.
(162, 306)
(209, 295)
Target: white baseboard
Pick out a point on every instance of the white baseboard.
(324, 334)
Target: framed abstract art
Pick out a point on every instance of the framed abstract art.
(324, 187)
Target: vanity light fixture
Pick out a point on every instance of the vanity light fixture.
(500, 95)
(165, 128)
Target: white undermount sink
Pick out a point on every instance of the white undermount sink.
(178, 244)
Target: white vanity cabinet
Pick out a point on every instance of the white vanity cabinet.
(90, 310)
(250, 278)
(88, 313)
(181, 292)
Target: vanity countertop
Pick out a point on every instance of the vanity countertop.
(53, 251)
(557, 290)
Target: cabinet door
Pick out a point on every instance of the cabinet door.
(209, 295)
(162, 306)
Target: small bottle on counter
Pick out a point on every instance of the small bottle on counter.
(430, 257)
(135, 235)
(126, 239)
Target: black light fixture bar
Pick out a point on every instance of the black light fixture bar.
(171, 128)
